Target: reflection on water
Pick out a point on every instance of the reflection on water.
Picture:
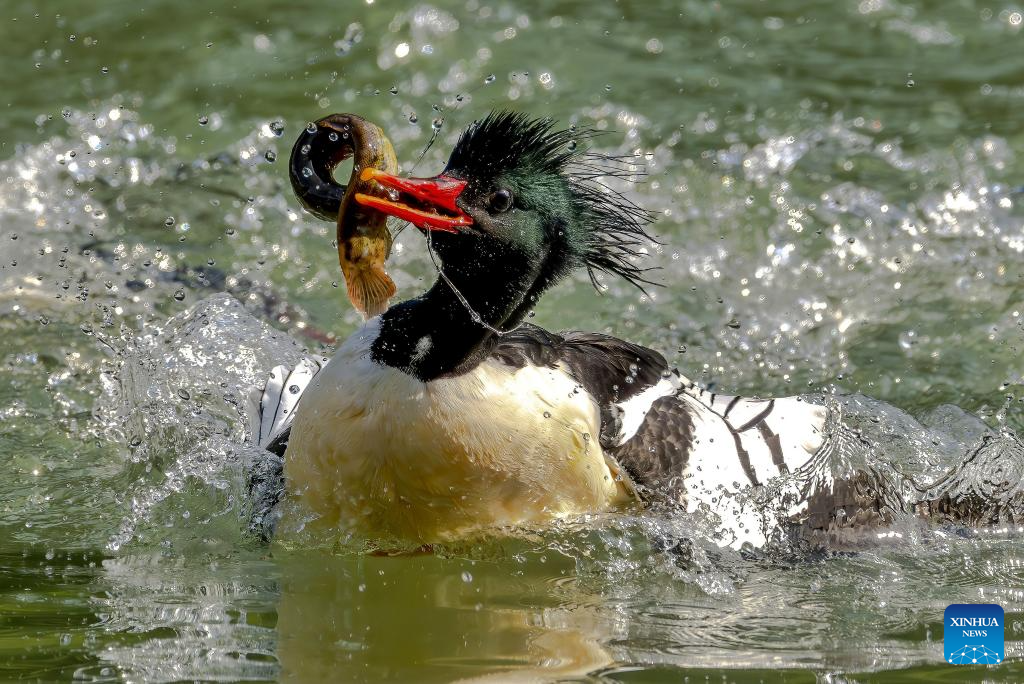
(838, 187)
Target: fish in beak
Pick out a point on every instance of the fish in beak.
(427, 203)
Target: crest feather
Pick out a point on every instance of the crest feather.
(613, 228)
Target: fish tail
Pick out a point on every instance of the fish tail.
(369, 289)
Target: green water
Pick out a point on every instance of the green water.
(838, 193)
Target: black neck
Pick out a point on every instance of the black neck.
(438, 334)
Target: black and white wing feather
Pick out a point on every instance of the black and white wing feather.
(272, 415)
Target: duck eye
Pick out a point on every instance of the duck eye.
(499, 201)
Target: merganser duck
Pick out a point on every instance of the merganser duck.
(448, 416)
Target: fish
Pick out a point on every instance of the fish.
(364, 241)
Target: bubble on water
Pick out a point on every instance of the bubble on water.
(169, 221)
(547, 414)
(277, 127)
(203, 120)
(270, 156)
(393, 90)
(413, 118)
(733, 323)
(104, 70)
(491, 78)
(436, 124)
(467, 577)
(179, 295)
(184, 394)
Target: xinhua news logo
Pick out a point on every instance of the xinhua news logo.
(973, 634)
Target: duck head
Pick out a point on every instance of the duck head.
(519, 205)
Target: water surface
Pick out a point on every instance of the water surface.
(838, 191)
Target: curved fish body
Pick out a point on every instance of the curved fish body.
(364, 242)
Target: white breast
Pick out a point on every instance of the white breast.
(377, 452)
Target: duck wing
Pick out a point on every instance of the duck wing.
(680, 442)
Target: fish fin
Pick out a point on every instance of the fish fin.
(369, 290)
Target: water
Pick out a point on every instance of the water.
(838, 188)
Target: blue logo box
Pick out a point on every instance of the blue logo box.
(973, 634)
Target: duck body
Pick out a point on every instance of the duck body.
(545, 426)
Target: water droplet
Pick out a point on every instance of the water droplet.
(294, 389)
(332, 136)
(203, 120)
(491, 78)
(311, 127)
(270, 156)
(572, 145)
(277, 127)
(179, 295)
(183, 393)
(436, 124)
(307, 172)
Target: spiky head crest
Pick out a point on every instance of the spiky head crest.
(607, 231)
